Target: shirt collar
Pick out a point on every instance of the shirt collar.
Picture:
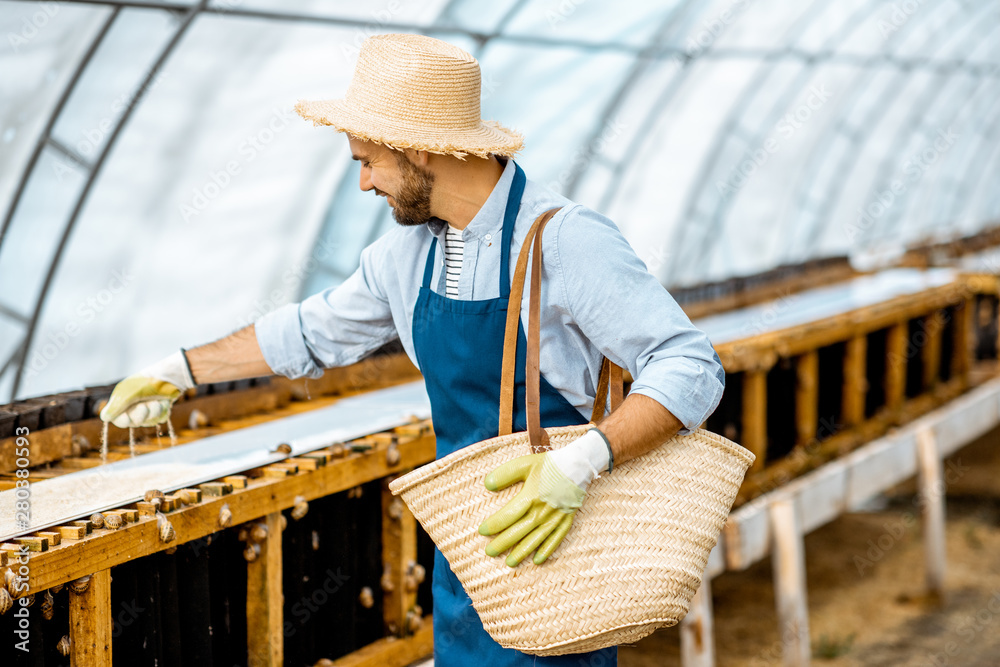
(489, 219)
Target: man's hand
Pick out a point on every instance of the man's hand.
(144, 399)
(555, 484)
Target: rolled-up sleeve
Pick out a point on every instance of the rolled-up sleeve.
(625, 312)
(335, 327)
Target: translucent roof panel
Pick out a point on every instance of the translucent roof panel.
(724, 138)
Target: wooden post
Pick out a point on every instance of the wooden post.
(931, 351)
(855, 380)
(697, 632)
(961, 354)
(399, 559)
(932, 499)
(754, 431)
(895, 365)
(265, 600)
(788, 561)
(806, 397)
(91, 621)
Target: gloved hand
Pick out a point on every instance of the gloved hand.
(144, 399)
(555, 483)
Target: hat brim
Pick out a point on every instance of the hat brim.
(489, 138)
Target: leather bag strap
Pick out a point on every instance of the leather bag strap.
(610, 376)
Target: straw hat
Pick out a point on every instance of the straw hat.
(412, 91)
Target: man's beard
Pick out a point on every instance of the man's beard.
(413, 200)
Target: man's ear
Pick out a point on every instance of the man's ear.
(421, 158)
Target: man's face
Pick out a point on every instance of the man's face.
(406, 186)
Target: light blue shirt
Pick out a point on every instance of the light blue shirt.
(597, 299)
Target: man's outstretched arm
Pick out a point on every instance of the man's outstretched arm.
(235, 357)
(144, 399)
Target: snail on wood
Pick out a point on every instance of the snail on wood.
(6, 601)
(167, 533)
(47, 605)
(80, 585)
(300, 508)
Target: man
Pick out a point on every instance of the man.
(440, 283)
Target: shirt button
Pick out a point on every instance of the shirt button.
(489, 237)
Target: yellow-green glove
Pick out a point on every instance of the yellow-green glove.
(144, 399)
(555, 484)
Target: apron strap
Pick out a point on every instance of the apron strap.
(611, 374)
(429, 265)
(509, 218)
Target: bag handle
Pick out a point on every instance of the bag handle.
(610, 376)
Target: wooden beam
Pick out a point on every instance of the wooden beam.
(91, 621)
(895, 365)
(754, 429)
(265, 601)
(932, 496)
(805, 459)
(806, 397)
(933, 326)
(788, 559)
(267, 402)
(855, 387)
(401, 575)
(756, 351)
(104, 548)
(964, 339)
(391, 651)
(697, 629)
(851, 480)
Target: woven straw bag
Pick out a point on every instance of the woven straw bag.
(638, 546)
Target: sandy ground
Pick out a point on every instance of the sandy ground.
(866, 598)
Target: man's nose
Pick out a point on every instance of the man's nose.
(366, 179)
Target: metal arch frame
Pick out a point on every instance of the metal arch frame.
(189, 13)
(669, 90)
(913, 125)
(905, 134)
(639, 67)
(971, 106)
(44, 139)
(95, 170)
(732, 124)
(856, 91)
(993, 203)
(824, 208)
(913, 201)
(684, 60)
(984, 148)
(54, 114)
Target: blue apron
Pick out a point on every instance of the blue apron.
(459, 346)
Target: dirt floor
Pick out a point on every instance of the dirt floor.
(865, 575)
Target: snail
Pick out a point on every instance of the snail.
(167, 533)
(80, 585)
(300, 508)
(47, 605)
(6, 601)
